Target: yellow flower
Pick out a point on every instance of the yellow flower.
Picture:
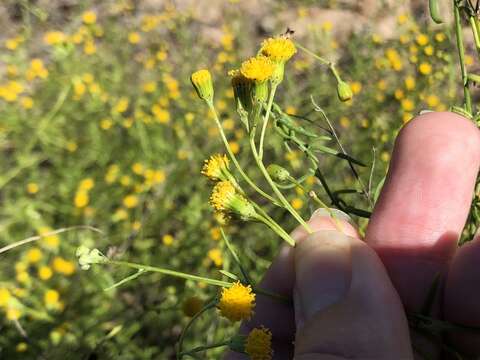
(432, 101)
(215, 255)
(410, 82)
(408, 105)
(106, 124)
(52, 241)
(279, 49)
(63, 266)
(134, 38)
(81, 199)
(440, 37)
(149, 87)
(428, 50)
(34, 255)
(27, 102)
(402, 19)
(122, 105)
(54, 37)
(130, 201)
(202, 82)
(422, 39)
(356, 87)
(237, 302)
(167, 239)
(21, 347)
(45, 273)
(399, 94)
(258, 344)
(32, 188)
(425, 68)
(4, 297)
(297, 203)
(86, 184)
(234, 147)
(216, 168)
(51, 298)
(89, 48)
(13, 313)
(258, 69)
(89, 17)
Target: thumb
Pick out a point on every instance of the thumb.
(345, 304)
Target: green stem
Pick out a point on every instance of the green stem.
(476, 37)
(461, 54)
(232, 156)
(204, 347)
(277, 192)
(266, 118)
(207, 307)
(171, 273)
(272, 295)
(267, 220)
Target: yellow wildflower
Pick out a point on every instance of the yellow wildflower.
(51, 298)
(34, 255)
(4, 297)
(297, 203)
(81, 199)
(216, 168)
(258, 69)
(237, 302)
(258, 344)
(215, 255)
(21, 347)
(410, 82)
(279, 49)
(425, 68)
(52, 241)
(13, 313)
(130, 201)
(134, 38)
(54, 37)
(86, 184)
(167, 239)
(45, 272)
(32, 188)
(63, 266)
(422, 39)
(408, 105)
(89, 17)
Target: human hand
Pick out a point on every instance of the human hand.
(351, 296)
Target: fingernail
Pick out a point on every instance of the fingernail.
(322, 212)
(323, 272)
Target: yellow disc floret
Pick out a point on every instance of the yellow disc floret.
(259, 68)
(258, 345)
(216, 168)
(237, 302)
(278, 49)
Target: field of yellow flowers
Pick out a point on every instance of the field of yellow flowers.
(103, 139)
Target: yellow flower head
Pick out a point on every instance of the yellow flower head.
(425, 68)
(258, 69)
(222, 195)
(216, 168)
(237, 302)
(278, 49)
(258, 344)
(202, 82)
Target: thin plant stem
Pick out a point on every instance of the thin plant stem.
(277, 192)
(461, 55)
(266, 118)
(170, 272)
(207, 307)
(232, 156)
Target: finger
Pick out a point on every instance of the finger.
(425, 201)
(279, 279)
(345, 304)
(461, 297)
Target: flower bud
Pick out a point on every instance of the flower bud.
(225, 198)
(278, 173)
(202, 82)
(343, 90)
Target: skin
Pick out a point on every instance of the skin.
(350, 295)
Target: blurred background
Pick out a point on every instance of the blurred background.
(99, 126)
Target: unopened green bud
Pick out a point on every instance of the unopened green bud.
(242, 90)
(344, 91)
(87, 257)
(225, 198)
(278, 173)
(202, 82)
(278, 73)
(260, 92)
